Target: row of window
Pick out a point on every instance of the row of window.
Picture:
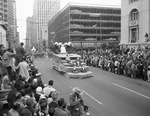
(115, 18)
(103, 31)
(108, 24)
(95, 10)
(130, 1)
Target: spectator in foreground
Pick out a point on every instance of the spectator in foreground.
(8, 61)
(25, 112)
(49, 88)
(14, 110)
(59, 110)
(23, 68)
(53, 102)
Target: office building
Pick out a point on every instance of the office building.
(86, 25)
(16, 41)
(43, 11)
(29, 33)
(7, 19)
(135, 22)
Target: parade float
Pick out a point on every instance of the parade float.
(71, 65)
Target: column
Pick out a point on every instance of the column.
(130, 33)
(137, 34)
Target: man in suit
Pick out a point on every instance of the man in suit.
(20, 52)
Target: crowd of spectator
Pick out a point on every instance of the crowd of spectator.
(131, 62)
(28, 95)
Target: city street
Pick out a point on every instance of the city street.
(106, 94)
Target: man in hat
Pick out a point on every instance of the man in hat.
(76, 102)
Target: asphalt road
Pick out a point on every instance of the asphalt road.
(106, 93)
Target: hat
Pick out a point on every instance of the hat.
(39, 89)
(38, 74)
(42, 96)
(35, 80)
(77, 90)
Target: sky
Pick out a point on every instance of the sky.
(25, 9)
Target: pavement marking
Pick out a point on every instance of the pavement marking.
(132, 91)
(90, 96)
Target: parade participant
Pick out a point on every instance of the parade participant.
(78, 62)
(68, 58)
(76, 101)
(20, 52)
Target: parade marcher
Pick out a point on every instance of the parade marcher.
(20, 52)
(76, 101)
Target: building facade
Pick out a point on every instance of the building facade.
(29, 34)
(88, 25)
(43, 11)
(7, 19)
(135, 22)
(16, 41)
(3, 35)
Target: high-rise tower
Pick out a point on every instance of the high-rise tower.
(43, 11)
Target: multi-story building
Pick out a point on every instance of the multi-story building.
(29, 33)
(16, 42)
(135, 22)
(43, 11)
(86, 25)
(7, 19)
(3, 11)
(10, 19)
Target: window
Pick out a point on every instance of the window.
(133, 35)
(134, 15)
(131, 1)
